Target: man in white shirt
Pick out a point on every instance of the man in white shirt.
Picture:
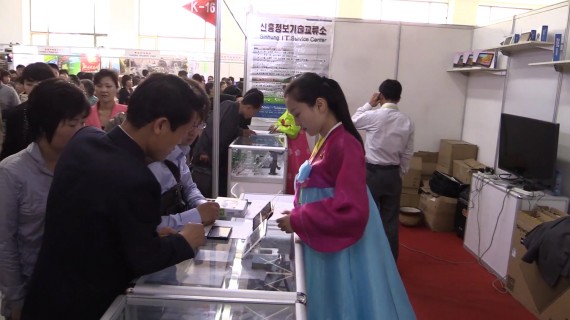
(389, 147)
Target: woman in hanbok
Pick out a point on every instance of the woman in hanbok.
(349, 269)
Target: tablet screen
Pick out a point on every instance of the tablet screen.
(217, 232)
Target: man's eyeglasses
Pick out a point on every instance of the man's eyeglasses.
(200, 126)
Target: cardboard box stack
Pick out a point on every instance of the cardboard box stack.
(410, 196)
(439, 211)
(429, 162)
(450, 150)
(525, 282)
(463, 169)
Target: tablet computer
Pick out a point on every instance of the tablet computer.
(219, 233)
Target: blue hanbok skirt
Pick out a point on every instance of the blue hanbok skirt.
(360, 282)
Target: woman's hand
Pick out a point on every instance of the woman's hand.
(272, 129)
(284, 223)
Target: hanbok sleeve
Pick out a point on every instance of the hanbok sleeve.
(335, 223)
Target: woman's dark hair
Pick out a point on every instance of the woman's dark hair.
(136, 80)
(124, 80)
(197, 77)
(165, 95)
(51, 102)
(209, 86)
(37, 71)
(201, 94)
(4, 73)
(89, 87)
(106, 73)
(391, 89)
(74, 79)
(310, 86)
(233, 90)
(253, 97)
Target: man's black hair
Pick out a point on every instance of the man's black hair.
(391, 89)
(37, 71)
(51, 102)
(253, 97)
(164, 95)
(233, 90)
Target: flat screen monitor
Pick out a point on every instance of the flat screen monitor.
(528, 148)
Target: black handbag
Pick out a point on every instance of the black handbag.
(445, 185)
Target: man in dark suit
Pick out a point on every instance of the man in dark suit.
(104, 206)
(16, 138)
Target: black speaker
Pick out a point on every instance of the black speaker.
(460, 210)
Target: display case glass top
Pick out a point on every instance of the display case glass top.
(131, 308)
(262, 140)
(222, 265)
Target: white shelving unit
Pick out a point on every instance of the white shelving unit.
(467, 71)
(558, 65)
(508, 49)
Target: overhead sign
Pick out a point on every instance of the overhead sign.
(150, 54)
(205, 9)
(54, 50)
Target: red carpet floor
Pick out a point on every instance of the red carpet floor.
(458, 289)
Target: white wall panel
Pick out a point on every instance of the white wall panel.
(434, 98)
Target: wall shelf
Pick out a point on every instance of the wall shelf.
(508, 49)
(468, 71)
(558, 65)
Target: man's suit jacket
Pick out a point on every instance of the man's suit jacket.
(16, 136)
(101, 216)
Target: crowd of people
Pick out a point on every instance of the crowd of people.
(97, 187)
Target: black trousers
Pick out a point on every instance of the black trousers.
(385, 186)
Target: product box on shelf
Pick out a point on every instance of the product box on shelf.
(450, 150)
(544, 33)
(524, 280)
(463, 169)
(557, 47)
(439, 211)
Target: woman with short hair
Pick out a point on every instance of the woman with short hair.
(56, 110)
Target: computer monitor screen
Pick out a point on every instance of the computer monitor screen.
(528, 148)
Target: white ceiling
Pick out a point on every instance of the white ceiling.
(520, 3)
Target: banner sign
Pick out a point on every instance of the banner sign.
(54, 50)
(281, 47)
(149, 54)
(205, 9)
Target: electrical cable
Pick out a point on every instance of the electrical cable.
(434, 257)
(496, 224)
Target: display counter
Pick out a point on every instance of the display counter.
(224, 281)
(258, 163)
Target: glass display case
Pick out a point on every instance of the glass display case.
(225, 280)
(140, 308)
(258, 164)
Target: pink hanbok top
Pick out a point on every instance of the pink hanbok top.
(332, 224)
(93, 117)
